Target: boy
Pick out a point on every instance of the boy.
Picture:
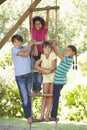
(23, 75)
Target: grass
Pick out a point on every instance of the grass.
(43, 126)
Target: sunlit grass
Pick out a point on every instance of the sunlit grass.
(62, 125)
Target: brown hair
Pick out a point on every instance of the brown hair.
(17, 37)
(73, 48)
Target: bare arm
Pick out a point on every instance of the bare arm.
(30, 21)
(34, 50)
(26, 52)
(57, 52)
(40, 69)
(47, 17)
(54, 62)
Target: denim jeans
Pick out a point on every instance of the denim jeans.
(37, 77)
(37, 81)
(56, 94)
(24, 83)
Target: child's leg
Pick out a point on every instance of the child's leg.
(56, 95)
(24, 83)
(37, 81)
(50, 100)
(44, 100)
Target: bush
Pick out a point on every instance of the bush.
(2, 88)
(74, 105)
(82, 62)
(6, 60)
(37, 106)
(10, 102)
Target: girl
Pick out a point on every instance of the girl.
(39, 30)
(60, 77)
(48, 65)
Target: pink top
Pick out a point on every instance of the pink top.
(39, 35)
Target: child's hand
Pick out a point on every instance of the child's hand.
(54, 43)
(34, 42)
(47, 7)
(47, 71)
(30, 43)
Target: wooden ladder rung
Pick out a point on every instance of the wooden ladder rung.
(37, 120)
(41, 95)
(44, 8)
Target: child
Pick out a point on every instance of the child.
(39, 30)
(60, 77)
(23, 75)
(48, 65)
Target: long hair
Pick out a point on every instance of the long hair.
(38, 18)
(73, 48)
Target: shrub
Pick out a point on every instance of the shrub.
(82, 62)
(10, 104)
(74, 106)
(6, 60)
(2, 88)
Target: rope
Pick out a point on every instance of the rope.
(56, 21)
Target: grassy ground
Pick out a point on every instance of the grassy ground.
(43, 126)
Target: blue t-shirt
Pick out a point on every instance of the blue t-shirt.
(22, 64)
(62, 69)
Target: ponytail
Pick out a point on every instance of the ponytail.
(74, 50)
(75, 63)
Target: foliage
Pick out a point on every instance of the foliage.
(82, 61)
(74, 105)
(5, 60)
(37, 106)
(71, 21)
(10, 103)
(2, 88)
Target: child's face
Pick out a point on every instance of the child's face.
(17, 43)
(38, 25)
(69, 52)
(46, 50)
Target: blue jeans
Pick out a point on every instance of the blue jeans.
(37, 81)
(24, 83)
(37, 77)
(56, 94)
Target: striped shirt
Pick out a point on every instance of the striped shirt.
(62, 69)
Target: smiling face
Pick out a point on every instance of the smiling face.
(69, 52)
(47, 50)
(17, 43)
(38, 25)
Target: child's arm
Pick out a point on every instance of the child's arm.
(47, 17)
(54, 62)
(34, 51)
(26, 52)
(30, 21)
(40, 69)
(57, 52)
